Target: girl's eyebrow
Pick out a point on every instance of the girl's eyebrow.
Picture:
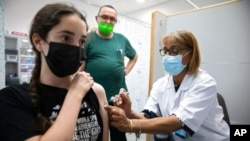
(69, 32)
(66, 31)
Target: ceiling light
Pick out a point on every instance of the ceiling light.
(140, 1)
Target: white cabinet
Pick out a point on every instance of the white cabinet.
(19, 59)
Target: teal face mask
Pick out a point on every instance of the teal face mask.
(105, 28)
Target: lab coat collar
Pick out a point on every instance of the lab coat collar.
(185, 84)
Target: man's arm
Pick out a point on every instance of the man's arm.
(130, 64)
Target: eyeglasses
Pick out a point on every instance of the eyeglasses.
(106, 18)
(173, 51)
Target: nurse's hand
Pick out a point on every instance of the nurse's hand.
(117, 118)
(122, 100)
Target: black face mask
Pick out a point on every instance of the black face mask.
(64, 59)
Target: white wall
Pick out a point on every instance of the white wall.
(2, 45)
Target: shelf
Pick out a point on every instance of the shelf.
(27, 60)
(28, 64)
(11, 61)
(27, 56)
(11, 49)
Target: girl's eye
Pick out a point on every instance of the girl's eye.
(72, 41)
(81, 42)
(65, 38)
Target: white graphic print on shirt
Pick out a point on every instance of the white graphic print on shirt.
(87, 126)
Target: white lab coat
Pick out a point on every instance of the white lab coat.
(195, 104)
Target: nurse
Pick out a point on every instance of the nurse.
(182, 104)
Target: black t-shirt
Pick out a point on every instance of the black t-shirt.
(18, 116)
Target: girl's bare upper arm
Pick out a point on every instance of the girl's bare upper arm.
(101, 95)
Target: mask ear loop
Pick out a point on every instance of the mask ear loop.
(186, 55)
(42, 52)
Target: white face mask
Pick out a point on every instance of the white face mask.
(173, 64)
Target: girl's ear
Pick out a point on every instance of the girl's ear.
(37, 41)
